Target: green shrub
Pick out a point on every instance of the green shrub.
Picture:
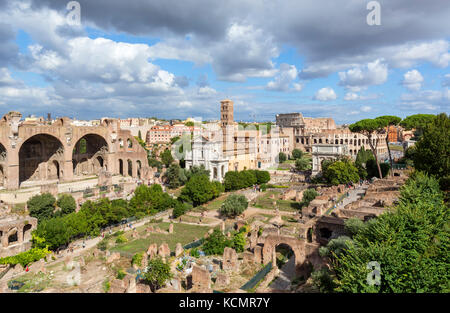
(25, 258)
(137, 259)
(121, 239)
(234, 205)
(67, 204)
(41, 206)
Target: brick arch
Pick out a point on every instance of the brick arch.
(297, 246)
(101, 134)
(35, 161)
(43, 133)
(89, 159)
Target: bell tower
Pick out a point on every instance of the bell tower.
(226, 113)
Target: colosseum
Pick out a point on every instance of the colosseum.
(40, 152)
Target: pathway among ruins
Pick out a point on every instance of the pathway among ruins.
(286, 274)
(354, 195)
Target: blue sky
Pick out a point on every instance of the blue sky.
(175, 59)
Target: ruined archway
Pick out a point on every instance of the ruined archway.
(37, 157)
(13, 237)
(121, 167)
(130, 168)
(89, 155)
(296, 245)
(3, 160)
(27, 232)
(139, 168)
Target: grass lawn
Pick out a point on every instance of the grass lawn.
(265, 202)
(182, 233)
(195, 219)
(395, 148)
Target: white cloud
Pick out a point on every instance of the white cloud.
(185, 104)
(282, 81)
(432, 100)
(409, 54)
(412, 80)
(325, 94)
(360, 77)
(206, 91)
(366, 108)
(446, 80)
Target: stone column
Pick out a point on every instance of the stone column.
(12, 171)
(20, 234)
(134, 172)
(5, 239)
(66, 168)
(125, 167)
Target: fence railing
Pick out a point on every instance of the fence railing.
(258, 277)
(194, 244)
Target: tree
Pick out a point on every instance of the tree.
(297, 154)
(198, 189)
(302, 164)
(432, 151)
(282, 157)
(152, 162)
(388, 121)
(215, 243)
(417, 122)
(234, 205)
(410, 242)
(41, 206)
(197, 170)
(308, 196)
(370, 128)
(139, 135)
(67, 204)
(340, 172)
(166, 157)
(372, 169)
(175, 176)
(158, 273)
(361, 161)
(232, 181)
(262, 177)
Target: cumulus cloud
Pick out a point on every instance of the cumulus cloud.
(325, 94)
(412, 80)
(430, 100)
(357, 78)
(282, 81)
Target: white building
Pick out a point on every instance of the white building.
(322, 152)
(207, 152)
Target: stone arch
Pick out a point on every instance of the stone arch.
(2, 176)
(89, 154)
(54, 170)
(27, 232)
(121, 167)
(36, 158)
(297, 246)
(139, 168)
(130, 167)
(13, 236)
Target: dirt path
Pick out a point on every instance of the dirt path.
(287, 273)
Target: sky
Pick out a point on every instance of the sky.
(178, 59)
